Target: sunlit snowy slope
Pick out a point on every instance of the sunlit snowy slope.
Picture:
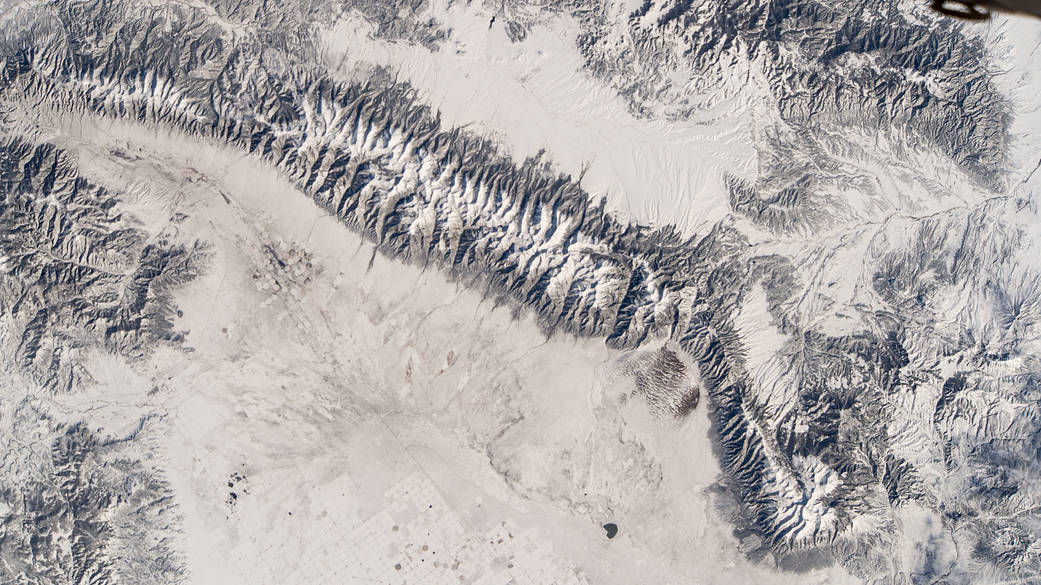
(336, 291)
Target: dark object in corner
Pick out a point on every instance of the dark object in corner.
(977, 10)
(611, 529)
